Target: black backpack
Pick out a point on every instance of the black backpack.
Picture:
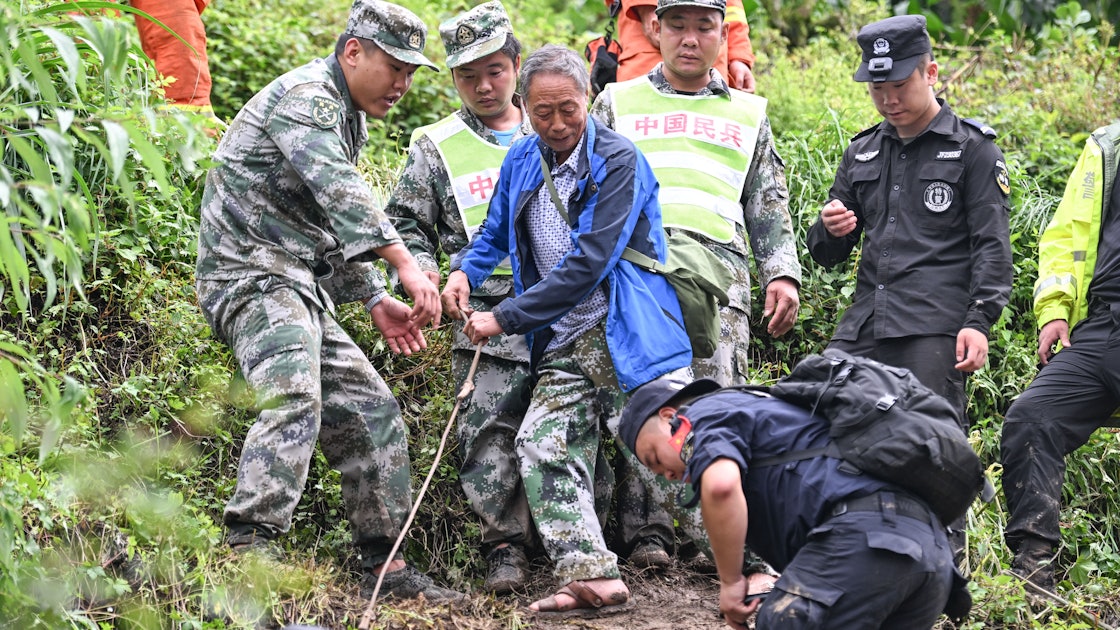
(888, 425)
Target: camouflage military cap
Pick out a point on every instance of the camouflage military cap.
(395, 29)
(473, 35)
(665, 5)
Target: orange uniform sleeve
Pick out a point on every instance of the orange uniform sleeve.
(189, 68)
(738, 34)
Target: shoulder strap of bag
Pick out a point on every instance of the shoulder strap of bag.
(629, 254)
(643, 261)
(552, 190)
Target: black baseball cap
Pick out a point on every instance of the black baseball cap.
(892, 48)
(649, 398)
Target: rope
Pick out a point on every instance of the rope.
(464, 391)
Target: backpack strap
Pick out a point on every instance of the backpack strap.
(830, 450)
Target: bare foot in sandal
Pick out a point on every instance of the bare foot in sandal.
(586, 597)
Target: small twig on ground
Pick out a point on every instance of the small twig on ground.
(1061, 601)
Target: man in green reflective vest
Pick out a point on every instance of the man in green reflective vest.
(720, 178)
(438, 203)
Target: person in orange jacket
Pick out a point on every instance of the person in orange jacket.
(185, 65)
(641, 50)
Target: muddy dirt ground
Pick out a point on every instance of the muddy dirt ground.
(672, 599)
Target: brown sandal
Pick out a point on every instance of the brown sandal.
(588, 603)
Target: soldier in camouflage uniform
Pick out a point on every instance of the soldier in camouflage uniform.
(590, 315)
(683, 105)
(289, 228)
(438, 203)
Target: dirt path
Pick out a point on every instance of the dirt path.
(670, 600)
(674, 599)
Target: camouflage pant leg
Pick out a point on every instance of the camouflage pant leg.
(311, 383)
(558, 446)
(488, 424)
(638, 516)
(364, 437)
(276, 337)
(728, 366)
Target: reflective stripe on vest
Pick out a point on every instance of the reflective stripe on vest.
(700, 148)
(473, 165)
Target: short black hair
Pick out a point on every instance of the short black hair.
(512, 47)
(367, 44)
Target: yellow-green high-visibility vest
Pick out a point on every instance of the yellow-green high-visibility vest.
(473, 165)
(700, 148)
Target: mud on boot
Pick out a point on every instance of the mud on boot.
(408, 583)
(649, 553)
(1034, 562)
(507, 569)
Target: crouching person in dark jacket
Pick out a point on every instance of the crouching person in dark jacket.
(854, 551)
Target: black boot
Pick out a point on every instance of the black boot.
(1034, 561)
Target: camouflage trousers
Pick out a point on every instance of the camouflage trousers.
(488, 424)
(728, 366)
(577, 404)
(311, 383)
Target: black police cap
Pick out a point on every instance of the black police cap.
(648, 399)
(892, 48)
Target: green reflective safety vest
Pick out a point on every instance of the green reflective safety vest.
(700, 148)
(1067, 250)
(472, 165)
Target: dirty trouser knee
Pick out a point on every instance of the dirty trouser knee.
(863, 570)
(488, 423)
(1071, 397)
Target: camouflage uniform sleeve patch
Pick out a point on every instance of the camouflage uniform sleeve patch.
(1002, 178)
(325, 112)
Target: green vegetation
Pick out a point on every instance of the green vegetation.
(121, 418)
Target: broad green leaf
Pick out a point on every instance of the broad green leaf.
(73, 70)
(13, 399)
(150, 156)
(13, 262)
(43, 84)
(65, 118)
(116, 137)
(38, 167)
(45, 265)
(61, 152)
(5, 187)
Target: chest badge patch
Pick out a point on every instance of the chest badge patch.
(1003, 180)
(325, 112)
(867, 157)
(938, 197)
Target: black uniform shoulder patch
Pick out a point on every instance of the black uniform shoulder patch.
(983, 127)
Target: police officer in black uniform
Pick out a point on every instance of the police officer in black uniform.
(928, 192)
(854, 551)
